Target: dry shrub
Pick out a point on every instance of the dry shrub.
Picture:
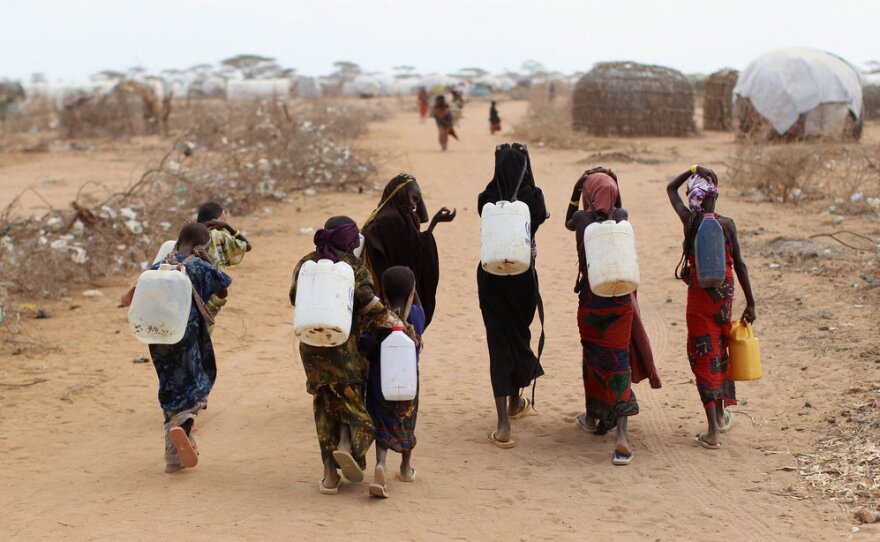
(239, 156)
(808, 170)
(548, 123)
(30, 127)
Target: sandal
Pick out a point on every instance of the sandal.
(701, 440)
(329, 490)
(620, 459)
(524, 411)
(349, 466)
(727, 422)
(186, 450)
(503, 444)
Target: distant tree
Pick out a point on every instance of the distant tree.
(137, 72)
(470, 73)
(346, 71)
(403, 71)
(38, 77)
(252, 66)
(533, 68)
(108, 75)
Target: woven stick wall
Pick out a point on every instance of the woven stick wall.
(718, 100)
(871, 97)
(629, 99)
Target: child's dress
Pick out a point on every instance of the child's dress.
(395, 421)
(708, 323)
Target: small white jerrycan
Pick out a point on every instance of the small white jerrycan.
(324, 303)
(400, 370)
(506, 238)
(612, 264)
(161, 305)
(166, 249)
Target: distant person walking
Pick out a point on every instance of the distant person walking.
(443, 117)
(551, 91)
(494, 119)
(423, 103)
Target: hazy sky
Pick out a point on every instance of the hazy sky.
(71, 39)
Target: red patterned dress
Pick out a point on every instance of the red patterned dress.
(708, 322)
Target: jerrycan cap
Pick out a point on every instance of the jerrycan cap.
(165, 267)
(396, 328)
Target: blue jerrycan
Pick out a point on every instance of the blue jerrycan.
(709, 253)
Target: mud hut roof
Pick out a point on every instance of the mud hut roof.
(630, 99)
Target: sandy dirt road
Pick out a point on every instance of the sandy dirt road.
(81, 453)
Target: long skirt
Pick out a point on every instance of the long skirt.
(395, 422)
(605, 325)
(508, 305)
(336, 405)
(708, 322)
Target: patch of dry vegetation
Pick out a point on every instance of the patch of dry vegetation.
(239, 155)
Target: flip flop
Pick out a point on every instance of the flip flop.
(503, 444)
(526, 409)
(378, 490)
(408, 478)
(728, 421)
(620, 459)
(350, 469)
(582, 423)
(329, 490)
(701, 440)
(187, 453)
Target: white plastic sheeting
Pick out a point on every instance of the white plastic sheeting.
(786, 83)
(257, 89)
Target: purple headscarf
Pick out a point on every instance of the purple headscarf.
(698, 189)
(328, 242)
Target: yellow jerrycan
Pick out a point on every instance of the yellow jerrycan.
(745, 352)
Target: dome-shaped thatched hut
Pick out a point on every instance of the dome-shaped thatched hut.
(718, 100)
(796, 93)
(629, 99)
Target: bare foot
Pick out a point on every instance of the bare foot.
(407, 473)
(379, 475)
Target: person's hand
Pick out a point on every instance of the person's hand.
(707, 174)
(444, 215)
(217, 224)
(748, 314)
(201, 252)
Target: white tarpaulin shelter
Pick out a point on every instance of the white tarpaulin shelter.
(784, 84)
(258, 89)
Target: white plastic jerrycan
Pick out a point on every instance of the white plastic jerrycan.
(399, 367)
(166, 249)
(506, 238)
(612, 264)
(324, 303)
(161, 305)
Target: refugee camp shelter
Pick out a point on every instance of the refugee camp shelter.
(630, 99)
(718, 100)
(796, 93)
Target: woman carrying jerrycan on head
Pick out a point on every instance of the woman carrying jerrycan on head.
(710, 255)
(616, 350)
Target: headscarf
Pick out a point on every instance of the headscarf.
(698, 189)
(328, 242)
(600, 193)
(511, 164)
(394, 237)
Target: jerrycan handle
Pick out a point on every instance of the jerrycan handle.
(742, 330)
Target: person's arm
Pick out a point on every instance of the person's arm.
(293, 284)
(742, 272)
(443, 215)
(573, 204)
(681, 209)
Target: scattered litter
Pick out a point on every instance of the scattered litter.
(857, 197)
(838, 220)
(774, 265)
(307, 231)
(93, 293)
(140, 359)
(310, 192)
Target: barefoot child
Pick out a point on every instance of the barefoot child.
(709, 309)
(187, 370)
(395, 421)
(336, 376)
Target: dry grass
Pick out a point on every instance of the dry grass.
(548, 124)
(797, 172)
(238, 155)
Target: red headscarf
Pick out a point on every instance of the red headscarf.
(600, 192)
